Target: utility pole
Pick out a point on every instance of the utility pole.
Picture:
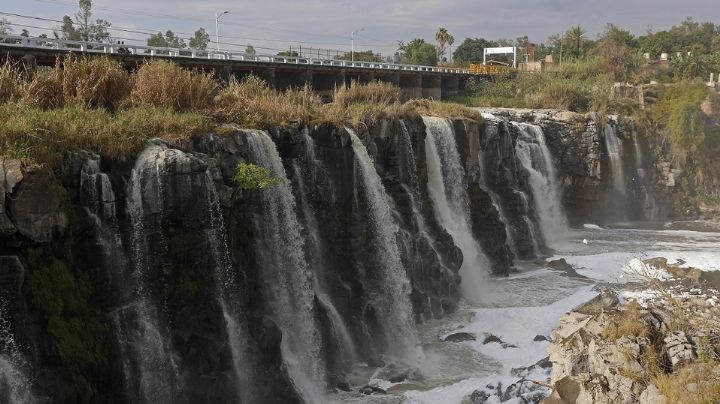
(352, 43)
(217, 30)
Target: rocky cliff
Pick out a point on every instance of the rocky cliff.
(159, 279)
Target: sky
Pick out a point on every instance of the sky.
(272, 25)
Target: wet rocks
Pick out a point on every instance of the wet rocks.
(370, 390)
(562, 266)
(35, 208)
(461, 337)
(491, 338)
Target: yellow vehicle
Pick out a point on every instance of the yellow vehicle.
(490, 70)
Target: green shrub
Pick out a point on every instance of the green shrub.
(253, 176)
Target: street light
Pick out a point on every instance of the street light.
(352, 43)
(217, 31)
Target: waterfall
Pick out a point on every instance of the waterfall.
(528, 222)
(340, 331)
(495, 198)
(149, 368)
(534, 155)
(15, 384)
(284, 271)
(391, 297)
(615, 153)
(448, 193)
(638, 155)
(144, 346)
(227, 292)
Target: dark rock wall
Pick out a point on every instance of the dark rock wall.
(64, 282)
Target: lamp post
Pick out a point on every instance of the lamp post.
(217, 30)
(352, 43)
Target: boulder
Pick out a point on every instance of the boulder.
(652, 395)
(491, 338)
(369, 390)
(562, 266)
(35, 208)
(679, 349)
(461, 337)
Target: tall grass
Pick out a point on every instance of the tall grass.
(253, 102)
(161, 83)
(10, 83)
(93, 103)
(37, 135)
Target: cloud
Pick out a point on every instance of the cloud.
(327, 23)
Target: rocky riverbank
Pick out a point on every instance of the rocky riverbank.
(659, 346)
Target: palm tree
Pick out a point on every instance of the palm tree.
(576, 36)
(443, 38)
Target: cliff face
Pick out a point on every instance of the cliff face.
(607, 169)
(159, 280)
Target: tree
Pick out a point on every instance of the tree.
(443, 38)
(575, 37)
(5, 26)
(90, 31)
(364, 56)
(200, 39)
(288, 54)
(68, 30)
(82, 28)
(169, 40)
(471, 50)
(417, 52)
(250, 50)
(25, 33)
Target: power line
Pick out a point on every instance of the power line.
(147, 31)
(326, 51)
(179, 18)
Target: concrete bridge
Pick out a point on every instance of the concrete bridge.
(323, 75)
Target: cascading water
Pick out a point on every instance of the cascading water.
(615, 153)
(280, 250)
(448, 192)
(617, 198)
(227, 290)
(15, 385)
(150, 366)
(495, 198)
(391, 299)
(534, 156)
(341, 333)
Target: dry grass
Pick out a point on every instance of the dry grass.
(43, 136)
(705, 376)
(441, 109)
(165, 84)
(375, 92)
(93, 103)
(627, 323)
(252, 102)
(10, 83)
(92, 81)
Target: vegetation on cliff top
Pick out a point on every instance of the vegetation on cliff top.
(93, 103)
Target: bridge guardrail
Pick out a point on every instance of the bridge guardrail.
(123, 49)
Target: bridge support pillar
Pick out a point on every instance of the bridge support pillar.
(324, 83)
(431, 86)
(411, 86)
(225, 73)
(450, 86)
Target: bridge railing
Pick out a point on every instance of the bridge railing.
(123, 49)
